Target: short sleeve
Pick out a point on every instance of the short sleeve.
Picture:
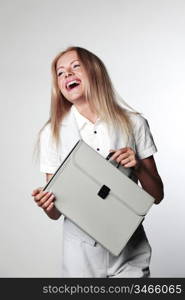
(49, 153)
(144, 142)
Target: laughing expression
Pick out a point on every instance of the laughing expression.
(71, 77)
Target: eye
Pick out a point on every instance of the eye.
(76, 66)
(60, 73)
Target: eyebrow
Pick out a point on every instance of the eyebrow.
(70, 64)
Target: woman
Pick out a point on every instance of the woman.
(83, 104)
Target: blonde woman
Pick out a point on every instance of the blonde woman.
(84, 105)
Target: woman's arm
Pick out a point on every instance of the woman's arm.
(147, 174)
(144, 169)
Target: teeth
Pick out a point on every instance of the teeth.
(72, 82)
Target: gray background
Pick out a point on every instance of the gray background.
(142, 43)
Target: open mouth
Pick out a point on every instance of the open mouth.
(72, 84)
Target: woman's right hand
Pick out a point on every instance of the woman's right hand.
(45, 200)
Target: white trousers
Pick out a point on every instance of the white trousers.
(83, 257)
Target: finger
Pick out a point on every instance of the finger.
(48, 202)
(39, 196)
(50, 207)
(125, 161)
(43, 199)
(36, 191)
(122, 157)
(131, 164)
(117, 153)
(122, 149)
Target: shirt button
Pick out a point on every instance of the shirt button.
(95, 131)
(98, 149)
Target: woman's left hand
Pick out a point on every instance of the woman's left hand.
(126, 157)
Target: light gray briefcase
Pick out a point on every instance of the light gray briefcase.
(98, 198)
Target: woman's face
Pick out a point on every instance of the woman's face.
(71, 77)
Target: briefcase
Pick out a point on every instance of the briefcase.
(98, 198)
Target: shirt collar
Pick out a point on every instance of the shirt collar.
(81, 120)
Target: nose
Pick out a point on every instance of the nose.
(68, 73)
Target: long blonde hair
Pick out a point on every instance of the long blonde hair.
(99, 92)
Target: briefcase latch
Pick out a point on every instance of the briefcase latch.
(104, 191)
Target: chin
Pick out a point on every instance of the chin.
(75, 98)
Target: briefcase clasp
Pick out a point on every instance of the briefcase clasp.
(104, 191)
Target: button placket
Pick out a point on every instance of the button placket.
(96, 139)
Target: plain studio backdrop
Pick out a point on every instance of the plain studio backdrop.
(142, 43)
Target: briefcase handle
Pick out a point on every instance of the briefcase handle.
(109, 156)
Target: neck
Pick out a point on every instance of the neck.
(86, 111)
